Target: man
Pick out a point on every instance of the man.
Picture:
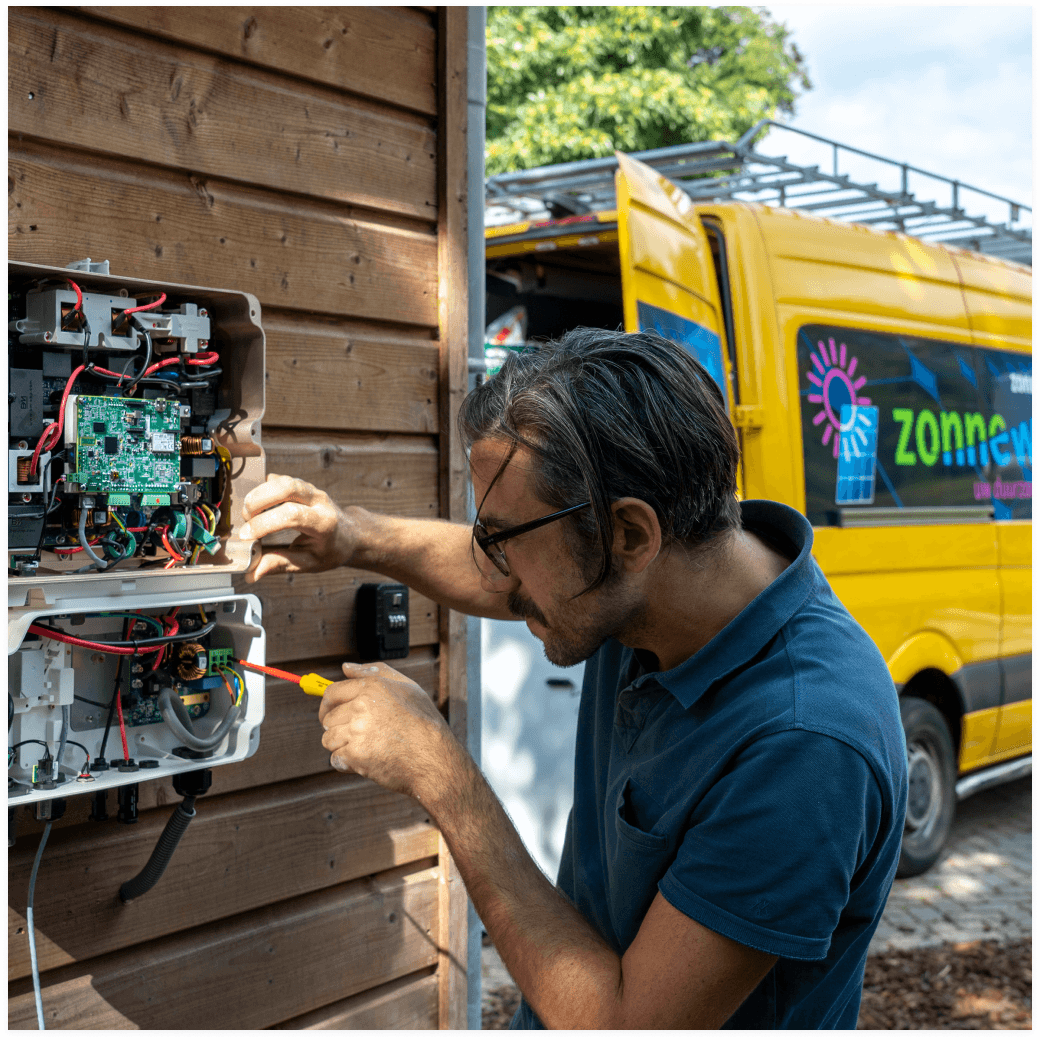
(740, 780)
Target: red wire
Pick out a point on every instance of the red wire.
(207, 357)
(146, 306)
(56, 427)
(64, 637)
(277, 673)
(122, 726)
(79, 295)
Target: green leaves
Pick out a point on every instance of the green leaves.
(578, 82)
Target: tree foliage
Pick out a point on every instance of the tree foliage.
(579, 82)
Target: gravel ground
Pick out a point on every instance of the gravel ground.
(977, 985)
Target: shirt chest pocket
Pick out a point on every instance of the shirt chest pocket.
(636, 859)
(636, 813)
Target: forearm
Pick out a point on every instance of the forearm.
(434, 557)
(565, 969)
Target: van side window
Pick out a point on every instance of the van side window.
(718, 255)
(902, 422)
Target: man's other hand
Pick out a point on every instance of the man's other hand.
(384, 726)
(327, 537)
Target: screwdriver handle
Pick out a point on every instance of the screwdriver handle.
(314, 684)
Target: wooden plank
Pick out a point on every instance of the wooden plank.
(253, 970)
(453, 335)
(241, 852)
(384, 473)
(409, 1003)
(64, 205)
(341, 376)
(98, 88)
(384, 53)
(290, 746)
(312, 615)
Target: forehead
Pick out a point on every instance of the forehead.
(512, 494)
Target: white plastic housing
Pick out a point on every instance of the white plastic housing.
(50, 674)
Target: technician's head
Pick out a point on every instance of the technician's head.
(628, 422)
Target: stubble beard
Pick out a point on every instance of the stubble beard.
(591, 622)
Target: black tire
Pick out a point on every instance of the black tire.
(932, 801)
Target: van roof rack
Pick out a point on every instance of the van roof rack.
(720, 170)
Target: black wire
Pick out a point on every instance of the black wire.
(147, 359)
(127, 629)
(180, 637)
(87, 700)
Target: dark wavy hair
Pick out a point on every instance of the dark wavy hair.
(611, 415)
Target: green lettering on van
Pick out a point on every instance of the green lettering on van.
(926, 421)
(951, 424)
(906, 417)
(975, 433)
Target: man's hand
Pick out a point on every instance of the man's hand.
(327, 536)
(384, 726)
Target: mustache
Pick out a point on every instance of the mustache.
(524, 608)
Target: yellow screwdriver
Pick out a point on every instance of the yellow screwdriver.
(311, 683)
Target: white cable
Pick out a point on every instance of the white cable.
(32, 930)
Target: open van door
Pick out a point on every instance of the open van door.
(668, 277)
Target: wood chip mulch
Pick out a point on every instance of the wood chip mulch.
(976, 985)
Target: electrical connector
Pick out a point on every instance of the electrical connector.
(219, 658)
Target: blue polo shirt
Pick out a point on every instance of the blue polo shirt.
(759, 786)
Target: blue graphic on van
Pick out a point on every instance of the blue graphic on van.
(857, 456)
(701, 342)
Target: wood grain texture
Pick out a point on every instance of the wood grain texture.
(248, 850)
(334, 375)
(312, 615)
(453, 313)
(111, 91)
(409, 1003)
(191, 229)
(384, 473)
(253, 970)
(387, 53)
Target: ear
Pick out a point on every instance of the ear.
(637, 534)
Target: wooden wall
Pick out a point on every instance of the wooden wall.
(315, 157)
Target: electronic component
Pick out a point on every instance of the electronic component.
(381, 621)
(133, 428)
(141, 685)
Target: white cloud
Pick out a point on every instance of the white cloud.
(948, 89)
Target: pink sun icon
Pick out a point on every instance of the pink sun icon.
(836, 388)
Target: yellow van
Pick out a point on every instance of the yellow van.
(878, 384)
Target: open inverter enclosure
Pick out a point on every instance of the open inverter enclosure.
(136, 460)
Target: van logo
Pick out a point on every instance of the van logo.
(837, 388)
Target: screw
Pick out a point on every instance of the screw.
(203, 314)
(137, 684)
(136, 669)
(46, 337)
(26, 498)
(203, 342)
(23, 445)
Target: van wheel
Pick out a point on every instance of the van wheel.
(932, 774)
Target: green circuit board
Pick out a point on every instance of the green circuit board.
(127, 445)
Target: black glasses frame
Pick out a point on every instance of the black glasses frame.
(489, 542)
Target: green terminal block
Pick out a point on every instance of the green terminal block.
(220, 659)
(155, 500)
(209, 542)
(119, 500)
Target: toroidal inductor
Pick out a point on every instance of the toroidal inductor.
(191, 661)
(194, 445)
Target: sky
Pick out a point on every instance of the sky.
(948, 89)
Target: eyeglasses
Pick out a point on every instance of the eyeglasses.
(489, 543)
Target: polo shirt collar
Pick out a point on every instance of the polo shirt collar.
(759, 621)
